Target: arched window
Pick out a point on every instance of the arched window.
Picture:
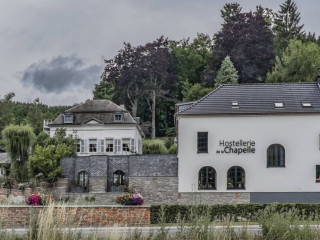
(275, 156)
(118, 178)
(207, 178)
(236, 178)
(83, 180)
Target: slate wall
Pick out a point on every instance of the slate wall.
(101, 168)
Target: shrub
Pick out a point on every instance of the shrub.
(236, 211)
(173, 149)
(154, 146)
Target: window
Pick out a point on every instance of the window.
(275, 156)
(68, 118)
(236, 178)
(109, 145)
(278, 105)
(235, 104)
(126, 144)
(78, 145)
(83, 180)
(118, 117)
(92, 145)
(207, 178)
(118, 178)
(317, 173)
(306, 104)
(202, 142)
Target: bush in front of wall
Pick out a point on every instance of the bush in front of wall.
(238, 212)
(154, 146)
(173, 149)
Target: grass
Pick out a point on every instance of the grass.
(56, 224)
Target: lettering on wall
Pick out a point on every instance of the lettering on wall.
(236, 147)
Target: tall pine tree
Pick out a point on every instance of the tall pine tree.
(227, 73)
(286, 26)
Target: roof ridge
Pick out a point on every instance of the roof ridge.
(273, 83)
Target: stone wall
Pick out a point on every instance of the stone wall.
(156, 190)
(85, 216)
(213, 197)
(101, 168)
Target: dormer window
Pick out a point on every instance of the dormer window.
(278, 105)
(68, 118)
(118, 117)
(306, 104)
(235, 104)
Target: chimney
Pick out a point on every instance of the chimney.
(122, 106)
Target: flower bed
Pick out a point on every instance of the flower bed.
(130, 199)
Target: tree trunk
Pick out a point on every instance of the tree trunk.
(153, 114)
(134, 108)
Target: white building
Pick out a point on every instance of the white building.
(258, 139)
(102, 127)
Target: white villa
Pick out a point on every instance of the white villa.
(102, 127)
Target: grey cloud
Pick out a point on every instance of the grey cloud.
(61, 73)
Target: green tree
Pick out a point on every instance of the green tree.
(286, 26)
(195, 92)
(103, 90)
(300, 62)
(18, 140)
(47, 154)
(46, 160)
(227, 74)
(192, 58)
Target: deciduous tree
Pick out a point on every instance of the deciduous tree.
(300, 62)
(19, 140)
(248, 40)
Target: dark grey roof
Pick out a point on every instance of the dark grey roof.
(258, 99)
(99, 106)
(4, 158)
(101, 111)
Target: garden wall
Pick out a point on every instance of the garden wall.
(85, 216)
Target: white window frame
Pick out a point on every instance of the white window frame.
(118, 120)
(67, 118)
(93, 139)
(113, 145)
(126, 141)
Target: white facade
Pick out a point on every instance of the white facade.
(102, 128)
(297, 133)
(118, 134)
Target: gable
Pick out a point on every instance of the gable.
(93, 121)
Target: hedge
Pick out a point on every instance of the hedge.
(154, 146)
(170, 213)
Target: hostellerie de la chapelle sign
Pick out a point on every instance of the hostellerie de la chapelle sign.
(236, 147)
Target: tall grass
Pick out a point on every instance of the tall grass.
(56, 222)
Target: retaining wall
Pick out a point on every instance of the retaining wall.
(85, 216)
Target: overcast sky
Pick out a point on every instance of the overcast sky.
(54, 49)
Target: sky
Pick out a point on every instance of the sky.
(55, 49)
